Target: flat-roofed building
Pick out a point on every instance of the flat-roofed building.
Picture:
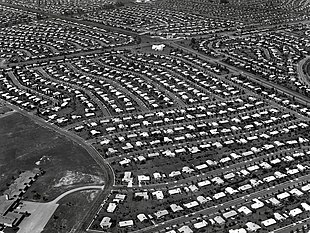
(127, 223)
(269, 222)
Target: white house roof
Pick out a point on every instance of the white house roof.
(269, 222)
(141, 217)
(295, 212)
(244, 210)
(175, 207)
(305, 206)
(240, 230)
(185, 229)
(201, 224)
(251, 226)
(283, 195)
(105, 222)
(127, 223)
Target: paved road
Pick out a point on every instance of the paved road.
(26, 52)
(7, 114)
(175, 99)
(215, 209)
(237, 71)
(91, 52)
(77, 190)
(73, 125)
(102, 107)
(286, 229)
(303, 77)
(203, 89)
(301, 98)
(256, 27)
(21, 87)
(108, 173)
(196, 141)
(185, 122)
(294, 226)
(40, 213)
(206, 90)
(68, 18)
(219, 171)
(115, 84)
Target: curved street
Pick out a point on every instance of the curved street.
(108, 173)
(215, 209)
(103, 108)
(40, 213)
(302, 76)
(90, 187)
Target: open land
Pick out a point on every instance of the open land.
(71, 211)
(25, 145)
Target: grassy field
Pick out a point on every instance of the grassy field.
(70, 211)
(25, 145)
(4, 109)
